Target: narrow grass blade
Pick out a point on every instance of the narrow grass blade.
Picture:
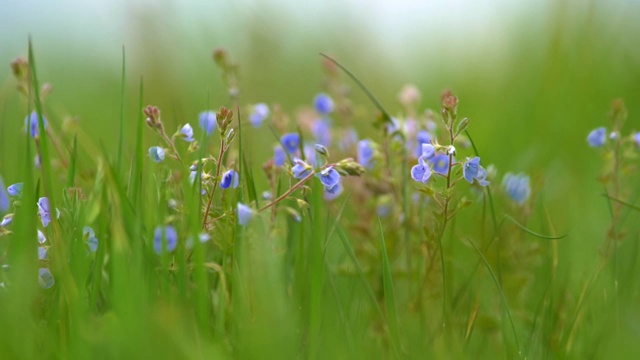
(389, 296)
(627, 204)
(122, 100)
(530, 232)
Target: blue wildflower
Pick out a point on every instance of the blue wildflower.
(259, 114)
(421, 172)
(208, 121)
(422, 137)
(323, 104)
(279, 156)
(90, 239)
(322, 132)
(266, 195)
(428, 151)
(6, 220)
(440, 163)
(597, 137)
(291, 142)
(45, 278)
(15, 189)
(636, 138)
(473, 170)
(229, 179)
(165, 238)
(186, 133)
(329, 177)
(517, 187)
(45, 211)
(5, 203)
(365, 154)
(156, 153)
(300, 169)
(41, 238)
(393, 126)
(31, 123)
(245, 214)
(334, 192)
(42, 253)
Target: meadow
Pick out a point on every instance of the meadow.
(325, 205)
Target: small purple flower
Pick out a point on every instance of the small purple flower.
(259, 114)
(45, 278)
(597, 137)
(329, 177)
(473, 170)
(156, 153)
(300, 169)
(229, 179)
(245, 214)
(421, 172)
(428, 151)
(31, 123)
(208, 121)
(440, 163)
(186, 133)
(90, 239)
(365, 154)
(44, 210)
(333, 193)
(15, 189)
(279, 156)
(42, 253)
(6, 220)
(517, 187)
(322, 132)
(41, 238)
(165, 238)
(422, 137)
(5, 203)
(291, 142)
(323, 104)
(636, 138)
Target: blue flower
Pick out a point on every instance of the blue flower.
(245, 214)
(301, 169)
(229, 179)
(323, 104)
(186, 133)
(45, 211)
(259, 114)
(5, 203)
(90, 239)
(636, 138)
(322, 132)
(15, 189)
(428, 151)
(517, 187)
(208, 121)
(422, 137)
(279, 156)
(393, 126)
(440, 163)
(165, 238)
(334, 192)
(31, 123)
(329, 177)
(365, 154)
(41, 238)
(156, 153)
(42, 253)
(291, 142)
(45, 278)
(6, 220)
(421, 172)
(597, 137)
(473, 170)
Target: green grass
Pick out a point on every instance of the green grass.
(497, 280)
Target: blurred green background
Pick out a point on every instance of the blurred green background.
(534, 77)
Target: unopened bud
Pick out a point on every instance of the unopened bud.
(320, 149)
